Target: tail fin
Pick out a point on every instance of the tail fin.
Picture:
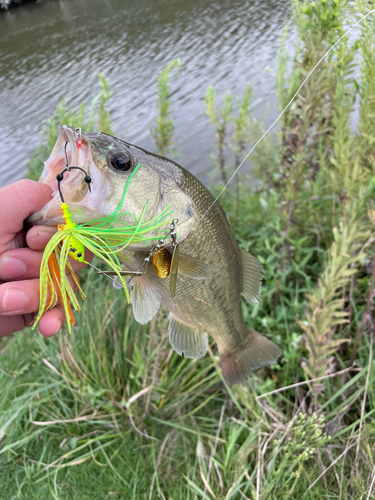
(253, 353)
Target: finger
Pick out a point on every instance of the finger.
(19, 264)
(52, 321)
(19, 201)
(23, 263)
(38, 236)
(22, 297)
(49, 324)
(12, 324)
(19, 297)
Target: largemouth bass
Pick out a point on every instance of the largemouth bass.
(212, 272)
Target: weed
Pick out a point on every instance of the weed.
(97, 116)
(164, 129)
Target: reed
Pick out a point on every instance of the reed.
(220, 118)
(163, 132)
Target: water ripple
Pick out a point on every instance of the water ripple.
(56, 49)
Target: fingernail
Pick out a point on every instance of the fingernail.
(11, 268)
(14, 300)
(58, 326)
(40, 239)
(45, 233)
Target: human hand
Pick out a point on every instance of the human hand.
(20, 259)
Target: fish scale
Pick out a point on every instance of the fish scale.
(212, 305)
(212, 243)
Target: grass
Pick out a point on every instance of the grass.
(112, 412)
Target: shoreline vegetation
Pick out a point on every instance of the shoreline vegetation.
(112, 411)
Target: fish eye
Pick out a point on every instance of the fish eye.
(119, 160)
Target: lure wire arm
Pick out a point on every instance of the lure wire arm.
(172, 233)
(107, 275)
(123, 273)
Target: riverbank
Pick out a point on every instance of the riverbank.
(9, 4)
(43, 37)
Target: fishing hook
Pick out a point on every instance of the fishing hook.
(60, 177)
(79, 131)
(66, 154)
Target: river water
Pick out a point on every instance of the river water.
(56, 48)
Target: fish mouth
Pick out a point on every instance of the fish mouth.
(71, 149)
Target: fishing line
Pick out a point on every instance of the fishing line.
(283, 112)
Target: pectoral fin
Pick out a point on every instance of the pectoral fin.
(192, 268)
(117, 283)
(188, 266)
(252, 277)
(187, 340)
(145, 300)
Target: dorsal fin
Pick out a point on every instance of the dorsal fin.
(187, 340)
(252, 276)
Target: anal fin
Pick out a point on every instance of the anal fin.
(252, 276)
(187, 340)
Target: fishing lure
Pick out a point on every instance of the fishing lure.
(165, 261)
(104, 237)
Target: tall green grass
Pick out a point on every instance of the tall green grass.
(112, 412)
